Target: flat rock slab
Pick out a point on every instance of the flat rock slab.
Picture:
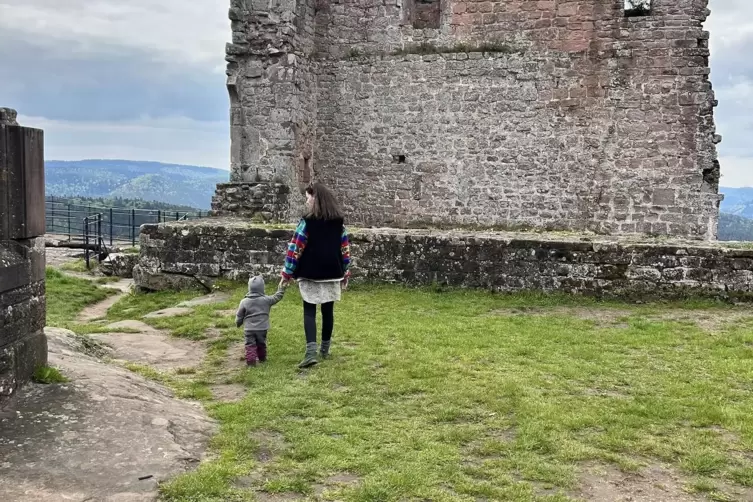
(57, 257)
(151, 346)
(93, 438)
(212, 299)
(169, 312)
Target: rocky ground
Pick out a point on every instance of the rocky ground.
(108, 434)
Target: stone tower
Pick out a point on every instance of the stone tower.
(551, 114)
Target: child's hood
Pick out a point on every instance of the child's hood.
(255, 286)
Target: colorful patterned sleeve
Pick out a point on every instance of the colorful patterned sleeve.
(345, 248)
(295, 248)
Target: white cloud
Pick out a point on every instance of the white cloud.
(731, 27)
(174, 140)
(730, 23)
(736, 171)
(171, 31)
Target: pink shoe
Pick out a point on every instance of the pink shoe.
(251, 355)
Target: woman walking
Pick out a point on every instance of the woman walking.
(318, 258)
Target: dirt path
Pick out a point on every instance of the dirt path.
(99, 310)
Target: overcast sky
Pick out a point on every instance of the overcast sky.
(144, 79)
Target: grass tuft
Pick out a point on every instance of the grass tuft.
(48, 375)
(79, 265)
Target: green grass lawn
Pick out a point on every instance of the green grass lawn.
(453, 395)
(80, 266)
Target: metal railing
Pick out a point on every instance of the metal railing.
(117, 224)
(93, 239)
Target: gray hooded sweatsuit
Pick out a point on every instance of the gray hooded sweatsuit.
(253, 311)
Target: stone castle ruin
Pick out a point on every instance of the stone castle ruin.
(462, 131)
(23, 345)
(498, 114)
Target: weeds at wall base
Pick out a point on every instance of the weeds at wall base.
(48, 375)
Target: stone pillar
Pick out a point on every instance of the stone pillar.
(272, 108)
(23, 346)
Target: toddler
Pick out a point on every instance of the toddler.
(253, 314)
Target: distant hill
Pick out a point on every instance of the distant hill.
(735, 228)
(183, 185)
(193, 186)
(737, 201)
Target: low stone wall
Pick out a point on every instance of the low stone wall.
(190, 254)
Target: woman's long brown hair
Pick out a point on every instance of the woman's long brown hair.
(325, 205)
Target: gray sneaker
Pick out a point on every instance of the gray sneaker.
(324, 351)
(310, 358)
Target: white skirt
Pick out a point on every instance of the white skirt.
(319, 292)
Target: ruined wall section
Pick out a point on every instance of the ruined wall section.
(573, 116)
(273, 109)
(23, 346)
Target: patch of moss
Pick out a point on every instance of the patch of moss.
(48, 375)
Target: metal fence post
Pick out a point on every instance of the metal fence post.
(86, 241)
(99, 235)
(110, 227)
(133, 227)
(69, 222)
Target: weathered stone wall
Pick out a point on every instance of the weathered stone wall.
(190, 254)
(257, 201)
(373, 26)
(597, 121)
(271, 87)
(23, 345)
(478, 139)
(589, 107)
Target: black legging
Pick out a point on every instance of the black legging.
(309, 321)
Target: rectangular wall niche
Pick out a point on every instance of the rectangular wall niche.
(304, 170)
(426, 14)
(636, 8)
